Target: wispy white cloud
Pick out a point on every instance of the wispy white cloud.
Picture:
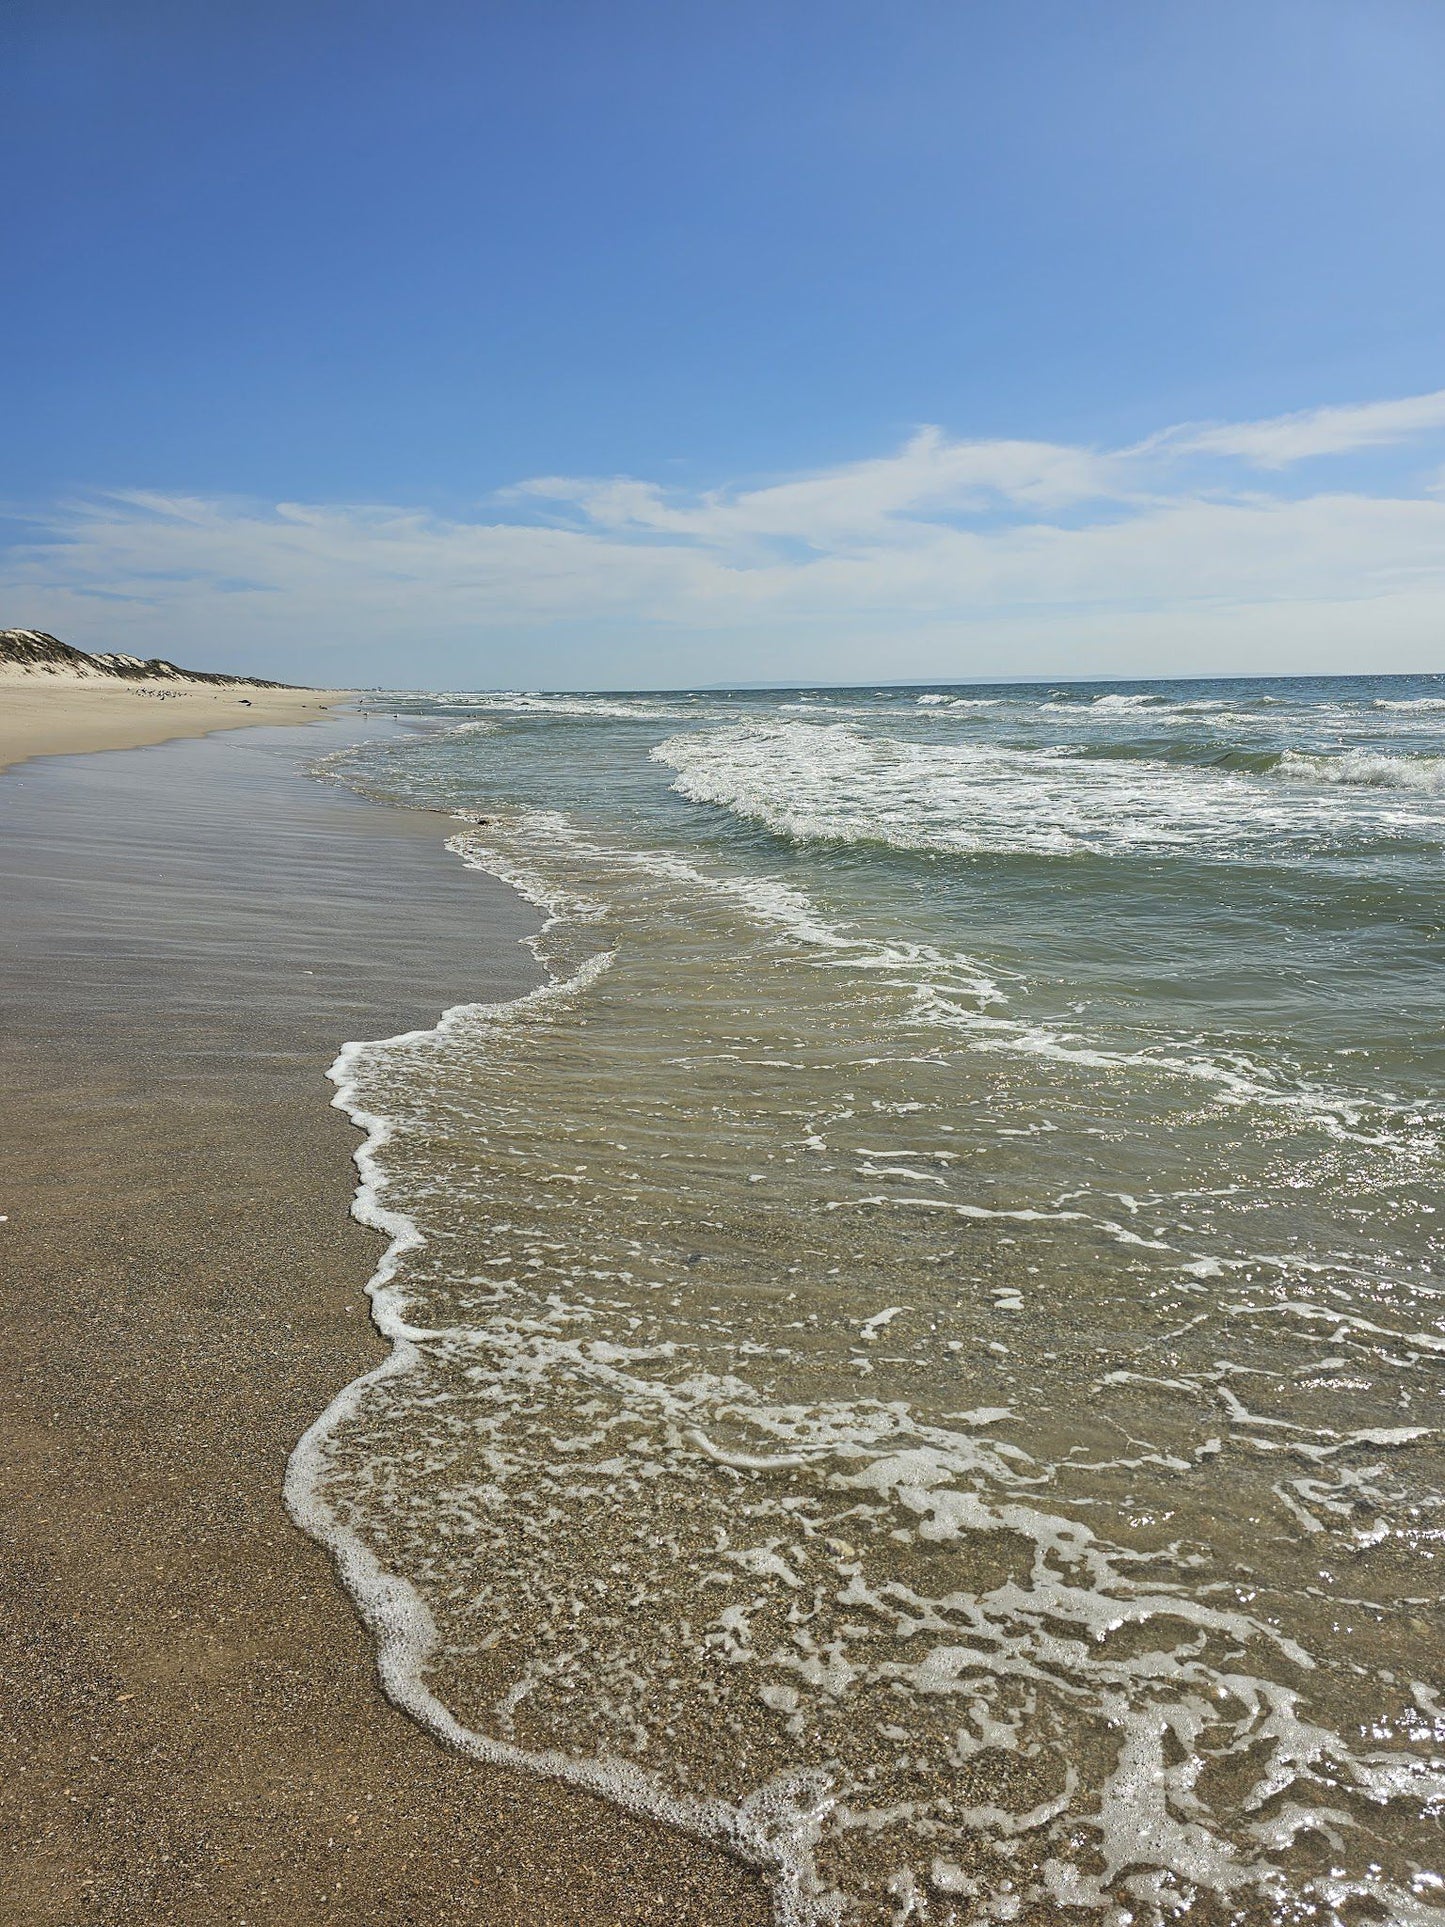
(930, 475)
(1315, 431)
(947, 557)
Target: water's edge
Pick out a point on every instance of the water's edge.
(770, 1832)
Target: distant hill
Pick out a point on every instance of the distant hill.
(36, 653)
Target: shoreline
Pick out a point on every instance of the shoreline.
(196, 1730)
(55, 715)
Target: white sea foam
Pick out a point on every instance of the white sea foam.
(947, 991)
(771, 900)
(873, 1588)
(991, 1653)
(1369, 769)
(955, 703)
(835, 782)
(627, 709)
(776, 1826)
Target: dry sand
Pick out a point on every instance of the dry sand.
(192, 1731)
(51, 714)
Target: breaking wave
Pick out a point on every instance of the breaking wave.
(836, 782)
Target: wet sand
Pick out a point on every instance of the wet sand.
(45, 714)
(192, 1730)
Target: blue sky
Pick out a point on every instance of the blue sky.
(617, 343)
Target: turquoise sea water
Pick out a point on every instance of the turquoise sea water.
(921, 1352)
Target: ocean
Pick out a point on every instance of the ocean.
(919, 1351)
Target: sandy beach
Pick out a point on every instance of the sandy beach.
(193, 1729)
(57, 715)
